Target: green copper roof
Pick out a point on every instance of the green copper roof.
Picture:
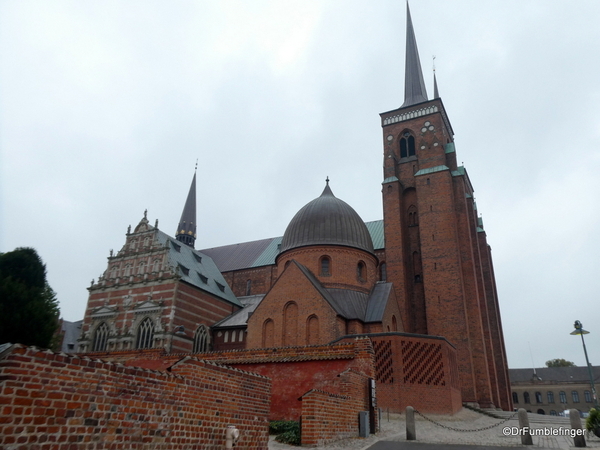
(459, 172)
(449, 147)
(431, 170)
(389, 180)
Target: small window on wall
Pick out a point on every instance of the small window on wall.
(100, 338)
(325, 266)
(201, 339)
(145, 335)
(383, 272)
(550, 397)
(588, 396)
(248, 287)
(361, 271)
(575, 396)
(515, 398)
(526, 398)
(538, 397)
(407, 145)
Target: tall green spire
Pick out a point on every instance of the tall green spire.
(414, 86)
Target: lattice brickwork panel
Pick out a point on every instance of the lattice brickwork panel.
(384, 362)
(423, 363)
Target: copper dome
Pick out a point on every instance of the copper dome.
(327, 220)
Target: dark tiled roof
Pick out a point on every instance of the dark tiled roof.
(239, 256)
(71, 331)
(240, 318)
(197, 268)
(327, 220)
(263, 252)
(378, 301)
(554, 374)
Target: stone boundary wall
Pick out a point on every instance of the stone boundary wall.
(56, 401)
(327, 416)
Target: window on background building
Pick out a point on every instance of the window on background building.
(575, 396)
(248, 287)
(538, 397)
(553, 413)
(383, 272)
(407, 145)
(588, 396)
(325, 266)
(541, 411)
(526, 398)
(562, 396)
(145, 334)
(201, 340)
(515, 397)
(550, 397)
(100, 338)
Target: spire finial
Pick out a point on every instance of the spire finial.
(414, 86)
(327, 180)
(196, 168)
(436, 94)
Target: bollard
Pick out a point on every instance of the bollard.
(526, 438)
(578, 437)
(411, 432)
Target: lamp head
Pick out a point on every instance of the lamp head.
(579, 329)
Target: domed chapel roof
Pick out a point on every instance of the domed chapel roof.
(327, 220)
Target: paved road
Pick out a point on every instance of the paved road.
(397, 445)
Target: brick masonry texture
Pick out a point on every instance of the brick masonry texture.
(56, 401)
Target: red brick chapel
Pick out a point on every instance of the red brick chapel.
(420, 277)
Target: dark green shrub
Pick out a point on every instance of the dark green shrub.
(287, 431)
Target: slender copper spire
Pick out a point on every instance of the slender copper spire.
(186, 231)
(436, 94)
(414, 86)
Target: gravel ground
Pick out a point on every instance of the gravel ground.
(394, 430)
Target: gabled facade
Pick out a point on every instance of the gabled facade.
(156, 292)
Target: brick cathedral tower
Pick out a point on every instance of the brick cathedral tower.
(437, 254)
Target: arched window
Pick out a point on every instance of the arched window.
(248, 287)
(413, 219)
(141, 268)
(233, 335)
(312, 330)
(325, 266)
(515, 398)
(127, 270)
(226, 338)
(290, 324)
(575, 396)
(588, 396)
(146, 241)
(201, 339)
(550, 396)
(394, 324)
(100, 338)
(541, 411)
(156, 267)
(383, 272)
(562, 396)
(526, 398)
(538, 397)
(268, 338)
(361, 271)
(407, 145)
(145, 334)
(114, 271)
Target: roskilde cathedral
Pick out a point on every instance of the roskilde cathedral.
(424, 270)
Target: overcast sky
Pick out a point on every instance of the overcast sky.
(105, 107)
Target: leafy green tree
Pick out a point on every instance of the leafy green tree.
(559, 362)
(28, 306)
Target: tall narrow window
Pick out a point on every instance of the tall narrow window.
(325, 266)
(588, 396)
(383, 272)
(515, 398)
(407, 145)
(268, 338)
(248, 287)
(100, 338)
(526, 398)
(145, 334)
(550, 396)
(575, 396)
(361, 271)
(563, 397)
(201, 339)
(538, 397)
(312, 330)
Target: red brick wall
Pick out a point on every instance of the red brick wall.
(50, 400)
(327, 416)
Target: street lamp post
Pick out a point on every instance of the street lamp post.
(579, 330)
